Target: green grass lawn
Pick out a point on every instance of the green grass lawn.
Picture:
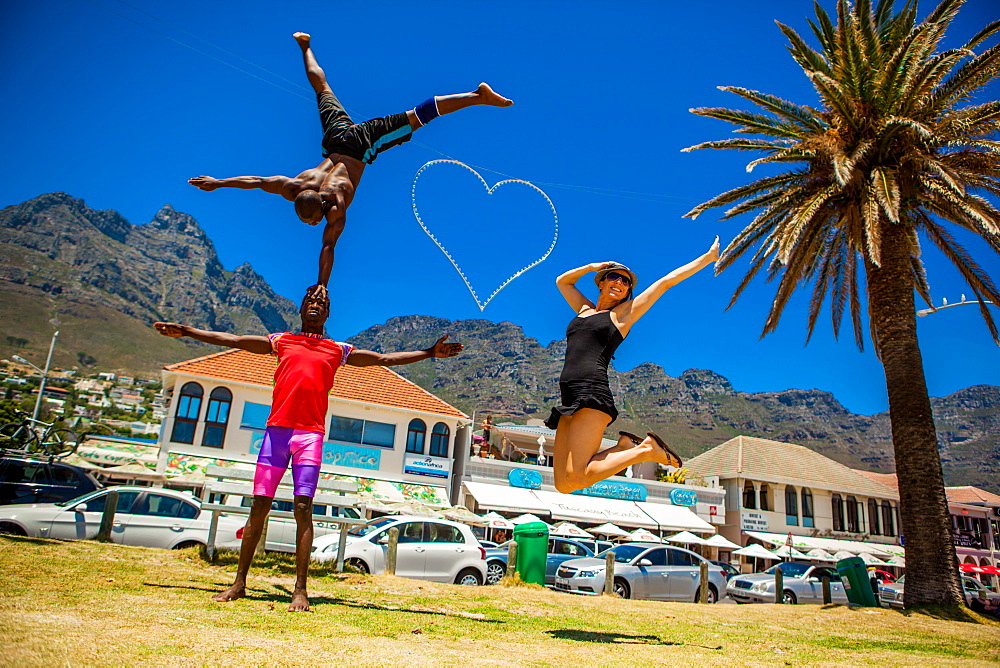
(84, 603)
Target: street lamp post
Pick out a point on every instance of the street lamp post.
(945, 304)
(45, 374)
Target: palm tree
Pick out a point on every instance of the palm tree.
(896, 148)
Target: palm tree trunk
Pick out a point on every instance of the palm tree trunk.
(931, 564)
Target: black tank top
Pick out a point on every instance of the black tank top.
(591, 343)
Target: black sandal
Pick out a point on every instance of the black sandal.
(666, 449)
(635, 439)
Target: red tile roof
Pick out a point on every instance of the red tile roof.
(970, 494)
(369, 384)
(887, 479)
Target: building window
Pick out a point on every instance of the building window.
(807, 508)
(852, 514)
(765, 493)
(838, 513)
(873, 524)
(749, 496)
(439, 440)
(186, 418)
(255, 416)
(363, 432)
(217, 417)
(415, 434)
(791, 506)
(888, 526)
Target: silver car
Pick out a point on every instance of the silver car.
(427, 549)
(643, 570)
(802, 583)
(151, 517)
(890, 595)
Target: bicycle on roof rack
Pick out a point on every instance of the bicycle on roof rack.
(37, 438)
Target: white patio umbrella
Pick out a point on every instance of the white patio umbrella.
(896, 560)
(756, 551)
(871, 560)
(464, 515)
(843, 554)
(570, 530)
(609, 529)
(497, 521)
(787, 552)
(528, 517)
(686, 538)
(416, 508)
(642, 536)
(719, 540)
(819, 554)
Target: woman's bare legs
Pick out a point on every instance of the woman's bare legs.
(578, 460)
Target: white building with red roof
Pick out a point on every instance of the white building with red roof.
(397, 439)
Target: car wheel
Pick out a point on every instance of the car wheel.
(11, 529)
(788, 598)
(469, 577)
(495, 570)
(622, 589)
(713, 595)
(186, 544)
(356, 564)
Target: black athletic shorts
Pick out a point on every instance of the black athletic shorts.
(361, 141)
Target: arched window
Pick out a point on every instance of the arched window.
(749, 496)
(838, 513)
(216, 417)
(807, 508)
(415, 434)
(765, 493)
(852, 514)
(439, 440)
(873, 523)
(888, 525)
(186, 417)
(791, 506)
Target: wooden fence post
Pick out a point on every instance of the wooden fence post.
(511, 559)
(390, 558)
(609, 573)
(827, 595)
(779, 585)
(703, 589)
(108, 518)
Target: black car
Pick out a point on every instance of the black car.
(36, 480)
(728, 568)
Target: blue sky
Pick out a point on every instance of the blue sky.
(120, 103)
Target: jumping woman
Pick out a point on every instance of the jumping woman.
(587, 404)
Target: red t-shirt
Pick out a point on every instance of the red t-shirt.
(307, 364)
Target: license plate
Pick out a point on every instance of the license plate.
(562, 582)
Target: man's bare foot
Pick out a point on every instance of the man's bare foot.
(300, 601)
(491, 98)
(302, 38)
(237, 591)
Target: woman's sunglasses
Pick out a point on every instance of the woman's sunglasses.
(615, 276)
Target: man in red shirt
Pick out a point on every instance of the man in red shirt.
(307, 365)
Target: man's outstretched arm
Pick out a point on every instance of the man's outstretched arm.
(269, 184)
(371, 358)
(249, 342)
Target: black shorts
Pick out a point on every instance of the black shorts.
(361, 141)
(577, 394)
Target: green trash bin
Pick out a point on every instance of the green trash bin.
(857, 584)
(532, 540)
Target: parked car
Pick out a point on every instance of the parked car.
(36, 480)
(151, 517)
(281, 531)
(891, 595)
(560, 549)
(428, 549)
(643, 570)
(884, 577)
(595, 545)
(802, 583)
(487, 543)
(730, 570)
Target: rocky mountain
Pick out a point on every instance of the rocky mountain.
(511, 376)
(101, 281)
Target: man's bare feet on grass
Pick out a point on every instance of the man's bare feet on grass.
(492, 98)
(233, 593)
(300, 601)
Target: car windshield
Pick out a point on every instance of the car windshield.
(82, 498)
(371, 527)
(624, 553)
(790, 569)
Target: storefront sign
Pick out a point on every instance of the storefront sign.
(351, 456)
(524, 478)
(434, 467)
(683, 497)
(612, 489)
(753, 521)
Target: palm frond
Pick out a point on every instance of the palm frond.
(887, 192)
(748, 190)
(741, 144)
(804, 116)
(750, 122)
(802, 53)
(984, 34)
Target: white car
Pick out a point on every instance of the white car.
(146, 516)
(281, 531)
(801, 583)
(428, 549)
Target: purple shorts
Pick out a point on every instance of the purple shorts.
(281, 445)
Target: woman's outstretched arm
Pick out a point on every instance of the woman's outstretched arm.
(638, 306)
(567, 285)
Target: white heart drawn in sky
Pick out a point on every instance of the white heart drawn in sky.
(489, 191)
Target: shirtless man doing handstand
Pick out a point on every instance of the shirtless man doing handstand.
(328, 189)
